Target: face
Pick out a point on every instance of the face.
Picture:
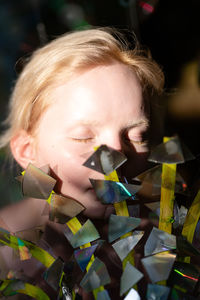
(103, 105)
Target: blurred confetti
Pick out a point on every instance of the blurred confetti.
(129, 277)
(87, 233)
(83, 256)
(157, 292)
(36, 183)
(159, 266)
(109, 192)
(119, 225)
(96, 276)
(125, 245)
(159, 241)
(103, 295)
(52, 275)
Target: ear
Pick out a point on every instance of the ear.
(22, 148)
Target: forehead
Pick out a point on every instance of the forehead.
(102, 93)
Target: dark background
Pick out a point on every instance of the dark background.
(169, 28)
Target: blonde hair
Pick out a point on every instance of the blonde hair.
(56, 62)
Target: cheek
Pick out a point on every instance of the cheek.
(57, 152)
(66, 165)
(71, 171)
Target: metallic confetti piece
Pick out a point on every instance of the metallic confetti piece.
(41, 255)
(154, 206)
(66, 293)
(74, 225)
(152, 179)
(83, 256)
(171, 152)
(53, 274)
(32, 234)
(119, 225)
(185, 248)
(121, 208)
(105, 160)
(36, 183)
(132, 295)
(34, 292)
(129, 277)
(87, 233)
(103, 295)
(159, 266)
(63, 208)
(66, 205)
(10, 275)
(124, 246)
(134, 197)
(12, 286)
(23, 250)
(109, 192)
(46, 169)
(185, 276)
(152, 175)
(57, 217)
(157, 292)
(4, 234)
(159, 241)
(72, 275)
(96, 276)
(179, 215)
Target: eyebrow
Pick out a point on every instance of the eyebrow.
(127, 126)
(138, 124)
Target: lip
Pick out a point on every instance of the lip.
(91, 189)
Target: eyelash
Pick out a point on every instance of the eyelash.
(87, 140)
(140, 143)
(143, 142)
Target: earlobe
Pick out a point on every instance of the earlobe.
(22, 148)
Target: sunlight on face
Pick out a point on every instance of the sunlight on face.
(103, 105)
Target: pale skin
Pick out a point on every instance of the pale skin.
(102, 105)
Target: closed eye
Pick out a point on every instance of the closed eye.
(141, 143)
(136, 142)
(139, 138)
(83, 140)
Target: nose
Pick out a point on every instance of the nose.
(113, 141)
